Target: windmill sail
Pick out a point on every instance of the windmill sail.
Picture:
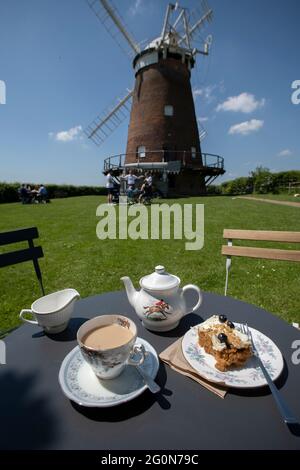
(105, 124)
(114, 24)
(193, 30)
(202, 131)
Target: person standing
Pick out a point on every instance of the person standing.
(131, 179)
(148, 178)
(146, 192)
(109, 186)
(25, 199)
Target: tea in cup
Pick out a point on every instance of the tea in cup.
(107, 344)
(52, 312)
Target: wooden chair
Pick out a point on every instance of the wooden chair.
(255, 252)
(28, 254)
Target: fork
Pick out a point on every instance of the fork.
(282, 406)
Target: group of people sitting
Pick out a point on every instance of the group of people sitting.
(38, 194)
(134, 193)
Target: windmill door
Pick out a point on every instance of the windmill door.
(167, 154)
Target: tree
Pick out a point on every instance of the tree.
(263, 180)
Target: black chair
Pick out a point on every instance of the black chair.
(28, 254)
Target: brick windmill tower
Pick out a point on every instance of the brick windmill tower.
(164, 134)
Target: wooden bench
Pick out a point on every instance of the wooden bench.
(32, 253)
(256, 252)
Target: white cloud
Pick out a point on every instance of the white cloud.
(245, 103)
(285, 153)
(135, 8)
(198, 92)
(205, 92)
(202, 119)
(246, 127)
(208, 92)
(67, 136)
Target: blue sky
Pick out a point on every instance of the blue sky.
(61, 68)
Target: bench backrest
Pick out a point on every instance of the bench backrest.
(261, 235)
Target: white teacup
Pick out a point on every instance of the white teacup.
(108, 363)
(52, 312)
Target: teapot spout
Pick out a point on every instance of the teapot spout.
(130, 290)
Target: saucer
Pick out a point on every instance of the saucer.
(81, 385)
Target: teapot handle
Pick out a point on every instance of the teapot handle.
(196, 288)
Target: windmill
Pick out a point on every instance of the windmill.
(164, 134)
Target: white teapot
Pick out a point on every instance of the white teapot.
(160, 303)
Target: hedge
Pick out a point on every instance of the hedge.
(9, 191)
(260, 181)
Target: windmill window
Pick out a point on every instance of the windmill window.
(193, 152)
(141, 151)
(169, 110)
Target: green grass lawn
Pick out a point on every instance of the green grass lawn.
(277, 197)
(75, 257)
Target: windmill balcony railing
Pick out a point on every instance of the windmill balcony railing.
(188, 159)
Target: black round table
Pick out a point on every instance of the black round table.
(35, 414)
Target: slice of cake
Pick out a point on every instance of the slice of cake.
(227, 344)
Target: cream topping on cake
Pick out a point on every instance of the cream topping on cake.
(213, 323)
(216, 343)
(207, 324)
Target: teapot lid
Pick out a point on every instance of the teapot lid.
(159, 280)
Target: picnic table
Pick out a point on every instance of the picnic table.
(35, 414)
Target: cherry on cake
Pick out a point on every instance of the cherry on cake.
(229, 346)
